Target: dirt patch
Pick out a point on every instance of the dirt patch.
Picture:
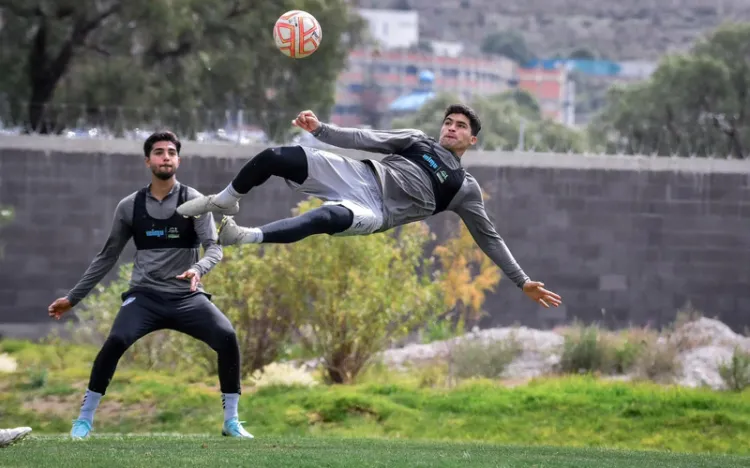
(69, 405)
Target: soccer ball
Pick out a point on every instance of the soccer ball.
(297, 34)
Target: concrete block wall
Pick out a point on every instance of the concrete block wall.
(625, 240)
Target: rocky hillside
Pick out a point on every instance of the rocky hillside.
(613, 29)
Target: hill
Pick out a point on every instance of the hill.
(611, 29)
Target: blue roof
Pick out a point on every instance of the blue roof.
(411, 102)
(589, 67)
(426, 76)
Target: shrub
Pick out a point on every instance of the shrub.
(589, 349)
(252, 286)
(359, 294)
(585, 350)
(482, 358)
(736, 372)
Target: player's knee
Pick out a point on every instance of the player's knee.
(224, 339)
(116, 343)
(335, 218)
(267, 157)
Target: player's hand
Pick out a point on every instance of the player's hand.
(193, 276)
(59, 307)
(535, 290)
(306, 120)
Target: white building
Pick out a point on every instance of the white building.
(392, 29)
(447, 48)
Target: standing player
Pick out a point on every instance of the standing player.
(418, 179)
(165, 290)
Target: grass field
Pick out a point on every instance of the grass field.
(388, 419)
(212, 451)
(573, 412)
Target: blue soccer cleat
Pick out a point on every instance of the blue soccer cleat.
(233, 428)
(81, 429)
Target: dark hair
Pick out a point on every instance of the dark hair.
(160, 136)
(474, 122)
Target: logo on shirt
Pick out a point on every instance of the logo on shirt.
(441, 175)
(430, 161)
(173, 233)
(155, 233)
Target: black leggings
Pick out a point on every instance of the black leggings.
(290, 162)
(194, 315)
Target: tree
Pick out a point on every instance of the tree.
(695, 103)
(468, 274)
(503, 117)
(172, 58)
(510, 44)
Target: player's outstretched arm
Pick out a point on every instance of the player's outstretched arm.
(101, 264)
(469, 205)
(376, 141)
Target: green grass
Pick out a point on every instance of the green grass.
(573, 411)
(212, 451)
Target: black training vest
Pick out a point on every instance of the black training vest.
(176, 232)
(441, 165)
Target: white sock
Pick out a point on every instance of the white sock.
(89, 405)
(227, 197)
(251, 236)
(230, 401)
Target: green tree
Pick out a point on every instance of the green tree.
(510, 44)
(503, 117)
(173, 58)
(695, 103)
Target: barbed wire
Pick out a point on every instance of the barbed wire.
(702, 138)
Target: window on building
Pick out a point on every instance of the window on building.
(356, 88)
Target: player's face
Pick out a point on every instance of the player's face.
(455, 134)
(163, 160)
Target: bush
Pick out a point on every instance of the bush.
(359, 294)
(589, 349)
(659, 362)
(472, 358)
(736, 373)
(253, 287)
(585, 350)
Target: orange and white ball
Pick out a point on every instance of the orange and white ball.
(297, 34)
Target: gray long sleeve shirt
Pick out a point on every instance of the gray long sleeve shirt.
(408, 194)
(153, 269)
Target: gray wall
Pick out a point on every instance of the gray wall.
(624, 240)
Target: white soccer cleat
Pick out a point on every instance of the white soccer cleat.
(230, 233)
(205, 204)
(9, 436)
